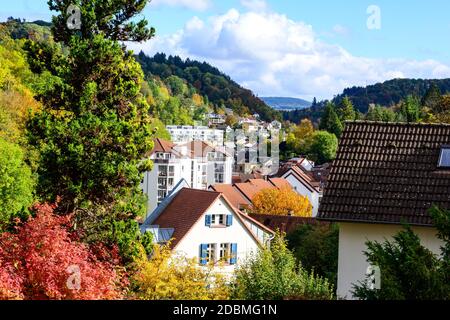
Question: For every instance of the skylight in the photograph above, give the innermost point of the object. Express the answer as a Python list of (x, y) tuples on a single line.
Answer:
[(444, 158)]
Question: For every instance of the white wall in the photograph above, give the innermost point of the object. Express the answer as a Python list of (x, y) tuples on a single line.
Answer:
[(236, 233), (352, 264), (301, 189)]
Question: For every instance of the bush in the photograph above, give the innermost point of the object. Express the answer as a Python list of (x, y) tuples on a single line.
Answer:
[(273, 274)]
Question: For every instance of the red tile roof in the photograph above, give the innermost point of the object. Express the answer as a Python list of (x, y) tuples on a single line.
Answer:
[(280, 183), (234, 197), (161, 145)]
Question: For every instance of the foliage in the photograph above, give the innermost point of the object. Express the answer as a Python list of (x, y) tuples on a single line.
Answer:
[(322, 147), (283, 201), (94, 126), (16, 183), (346, 111), (35, 261), (272, 274), (410, 271), (208, 81), (410, 109), (316, 247), (167, 276), (378, 113), (330, 121)]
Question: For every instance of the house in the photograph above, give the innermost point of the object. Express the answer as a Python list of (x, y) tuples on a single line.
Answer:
[(197, 162), (304, 183), (204, 225), (184, 134), (385, 174)]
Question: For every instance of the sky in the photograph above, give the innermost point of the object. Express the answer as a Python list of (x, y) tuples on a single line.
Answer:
[(295, 48)]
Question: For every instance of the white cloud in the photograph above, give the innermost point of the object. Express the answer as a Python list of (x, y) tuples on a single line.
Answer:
[(274, 55), (198, 5), (254, 5), (341, 30)]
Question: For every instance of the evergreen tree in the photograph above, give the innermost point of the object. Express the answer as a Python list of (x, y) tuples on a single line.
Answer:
[(346, 110), (330, 120), (410, 109), (432, 98), (93, 131)]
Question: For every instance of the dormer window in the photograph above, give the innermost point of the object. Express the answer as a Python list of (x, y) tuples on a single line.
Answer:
[(444, 157)]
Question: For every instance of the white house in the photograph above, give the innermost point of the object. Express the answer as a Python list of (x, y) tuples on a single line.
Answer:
[(385, 174), (197, 162), (304, 184), (184, 134), (204, 225)]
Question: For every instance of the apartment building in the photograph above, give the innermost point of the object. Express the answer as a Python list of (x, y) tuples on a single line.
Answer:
[(184, 134), (197, 162)]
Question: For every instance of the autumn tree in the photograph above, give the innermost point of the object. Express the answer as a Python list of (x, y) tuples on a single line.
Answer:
[(168, 276), (93, 131), (41, 260), (283, 201)]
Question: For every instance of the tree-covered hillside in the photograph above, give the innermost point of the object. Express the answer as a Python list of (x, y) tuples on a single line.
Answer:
[(387, 94), (220, 89)]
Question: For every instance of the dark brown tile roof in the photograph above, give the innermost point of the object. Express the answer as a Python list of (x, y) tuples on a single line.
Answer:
[(285, 224), (182, 213), (387, 173)]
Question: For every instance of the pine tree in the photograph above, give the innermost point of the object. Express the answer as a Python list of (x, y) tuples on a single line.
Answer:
[(93, 131), (432, 98), (346, 110), (330, 120)]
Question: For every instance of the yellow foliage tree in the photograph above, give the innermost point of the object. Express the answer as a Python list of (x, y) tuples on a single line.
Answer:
[(283, 201), (197, 99), (167, 276)]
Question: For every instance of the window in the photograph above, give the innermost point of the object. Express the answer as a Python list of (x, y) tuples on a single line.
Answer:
[(224, 253), (444, 157), (217, 219), (210, 253)]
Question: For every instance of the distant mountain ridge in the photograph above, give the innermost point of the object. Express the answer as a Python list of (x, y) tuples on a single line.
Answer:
[(286, 103)]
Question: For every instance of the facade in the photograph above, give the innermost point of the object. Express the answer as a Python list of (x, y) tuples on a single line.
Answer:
[(198, 163), (384, 175), (205, 226), (184, 134), (304, 184)]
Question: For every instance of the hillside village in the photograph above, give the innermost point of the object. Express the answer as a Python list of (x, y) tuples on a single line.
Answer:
[(162, 178)]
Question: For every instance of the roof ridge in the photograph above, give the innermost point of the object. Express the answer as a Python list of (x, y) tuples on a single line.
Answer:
[(424, 124)]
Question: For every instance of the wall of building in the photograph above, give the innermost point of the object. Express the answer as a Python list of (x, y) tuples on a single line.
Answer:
[(352, 265), (201, 234), (301, 189)]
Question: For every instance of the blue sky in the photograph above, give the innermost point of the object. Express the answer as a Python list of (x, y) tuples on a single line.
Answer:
[(295, 47)]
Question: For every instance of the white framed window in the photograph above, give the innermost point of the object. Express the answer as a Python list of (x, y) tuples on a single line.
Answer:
[(211, 253), (225, 252), (217, 219)]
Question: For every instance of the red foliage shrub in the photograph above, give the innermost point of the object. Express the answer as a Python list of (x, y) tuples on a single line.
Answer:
[(42, 261)]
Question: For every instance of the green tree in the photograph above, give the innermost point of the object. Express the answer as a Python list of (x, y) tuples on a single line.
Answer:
[(410, 271), (176, 85), (346, 111), (316, 247), (330, 120), (94, 128), (273, 274), (16, 183), (322, 146), (410, 109), (432, 98)]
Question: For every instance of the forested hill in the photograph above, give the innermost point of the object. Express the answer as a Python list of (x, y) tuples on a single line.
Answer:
[(220, 89), (386, 94), (391, 92)]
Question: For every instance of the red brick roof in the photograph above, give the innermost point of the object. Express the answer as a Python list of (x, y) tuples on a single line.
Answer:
[(387, 173)]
